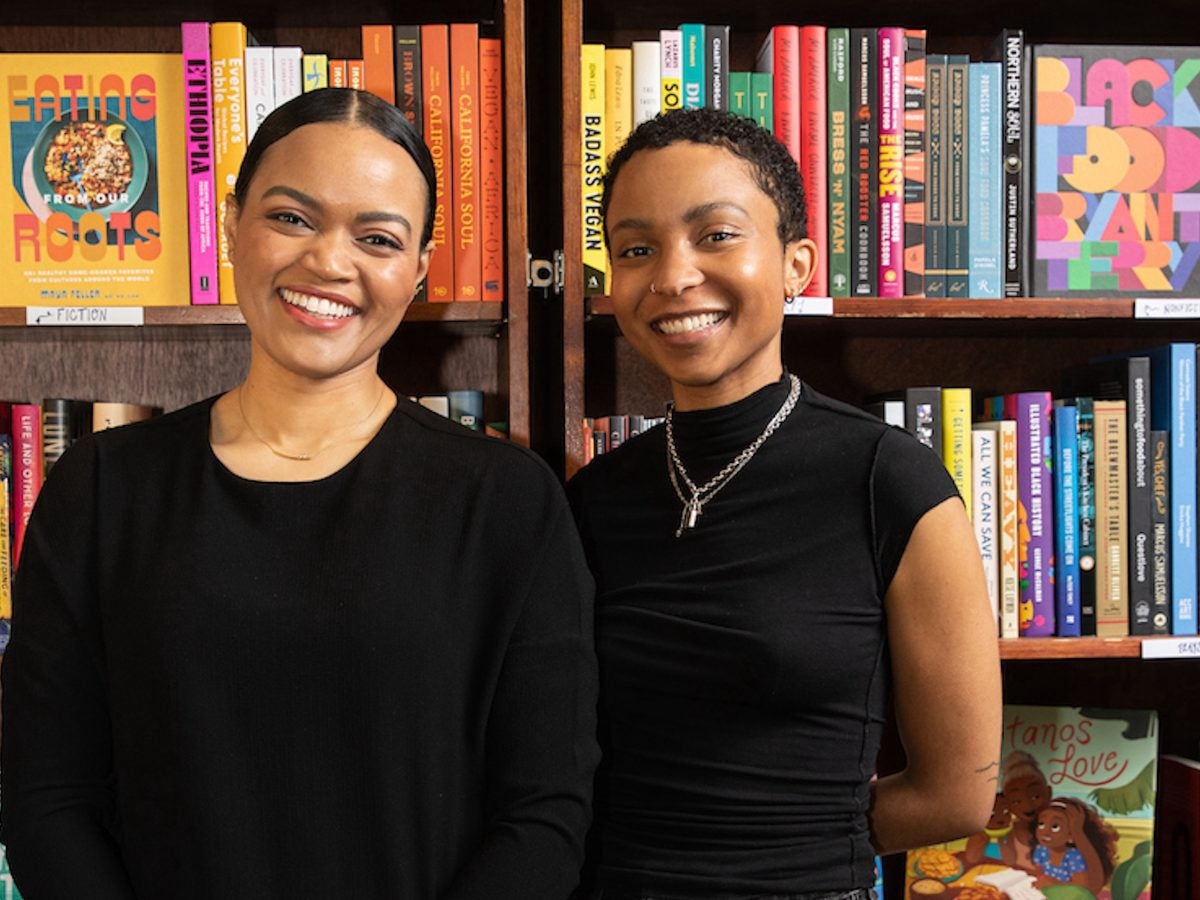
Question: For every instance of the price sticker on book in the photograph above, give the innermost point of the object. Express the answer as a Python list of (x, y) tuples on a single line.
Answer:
[(809, 306), (1179, 308), (1171, 648), (85, 315)]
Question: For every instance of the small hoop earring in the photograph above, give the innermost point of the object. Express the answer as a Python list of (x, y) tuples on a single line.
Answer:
[(790, 298)]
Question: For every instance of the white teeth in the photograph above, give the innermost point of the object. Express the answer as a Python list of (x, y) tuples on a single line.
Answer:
[(688, 323), (318, 306)]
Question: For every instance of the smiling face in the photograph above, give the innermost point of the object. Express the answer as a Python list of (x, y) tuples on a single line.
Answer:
[(690, 221), (1052, 830), (326, 248)]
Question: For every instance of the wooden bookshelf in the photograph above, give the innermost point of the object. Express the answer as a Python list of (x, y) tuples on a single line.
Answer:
[(439, 347)]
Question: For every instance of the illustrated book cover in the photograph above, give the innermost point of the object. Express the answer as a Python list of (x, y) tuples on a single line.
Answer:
[(1116, 171), (1073, 817), (93, 180)]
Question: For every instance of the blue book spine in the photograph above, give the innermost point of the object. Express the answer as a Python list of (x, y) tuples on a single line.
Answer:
[(694, 74), (1066, 522), (986, 176), (1173, 409)]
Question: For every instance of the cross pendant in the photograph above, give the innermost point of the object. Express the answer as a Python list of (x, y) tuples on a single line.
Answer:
[(687, 519)]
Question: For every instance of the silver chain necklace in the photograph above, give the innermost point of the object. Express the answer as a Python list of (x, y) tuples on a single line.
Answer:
[(693, 506)]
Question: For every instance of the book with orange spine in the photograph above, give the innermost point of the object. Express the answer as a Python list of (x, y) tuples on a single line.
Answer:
[(464, 156), (379, 67), (491, 166), (435, 108)]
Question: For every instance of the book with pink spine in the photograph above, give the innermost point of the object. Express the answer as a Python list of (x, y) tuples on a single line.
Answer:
[(202, 217), (891, 162)]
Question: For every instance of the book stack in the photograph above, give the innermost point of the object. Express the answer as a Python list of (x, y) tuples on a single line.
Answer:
[(1084, 504), (117, 196), (938, 175), (603, 434)]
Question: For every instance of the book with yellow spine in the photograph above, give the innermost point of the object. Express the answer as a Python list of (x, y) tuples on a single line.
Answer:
[(956, 439), (594, 152), (230, 132)]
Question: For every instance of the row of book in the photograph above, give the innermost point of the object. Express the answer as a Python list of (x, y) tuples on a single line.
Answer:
[(1046, 170), (603, 434), (1083, 505), (115, 167), (32, 438)]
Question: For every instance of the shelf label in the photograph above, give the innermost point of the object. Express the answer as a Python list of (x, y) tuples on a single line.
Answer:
[(1179, 308), (1171, 648), (809, 306), (85, 315)]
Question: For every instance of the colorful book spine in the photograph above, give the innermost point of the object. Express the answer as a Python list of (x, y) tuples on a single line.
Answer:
[(670, 45), (1066, 522), (762, 99), (202, 214), (780, 55), (716, 65), (985, 174), (694, 76), (289, 79), (260, 87), (935, 175), (466, 408), (464, 151), (814, 151), (436, 129), (956, 439), (595, 260), (957, 175), (1112, 535), (618, 96), (1160, 529), (491, 168), (407, 58), (1085, 505), (56, 431), (1035, 510), (1173, 409), (27, 470), (379, 61), (739, 94), (864, 105), (356, 76), (1009, 566), (890, 151), (985, 512), (840, 183), (337, 73), (915, 144), (6, 546), (228, 47), (647, 81), (315, 67), (1010, 51)]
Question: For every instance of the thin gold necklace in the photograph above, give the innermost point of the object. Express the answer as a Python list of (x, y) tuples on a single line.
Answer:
[(302, 457)]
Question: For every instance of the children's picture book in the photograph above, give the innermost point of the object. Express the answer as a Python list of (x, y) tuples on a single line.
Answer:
[(1116, 171), (93, 191), (1073, 817)]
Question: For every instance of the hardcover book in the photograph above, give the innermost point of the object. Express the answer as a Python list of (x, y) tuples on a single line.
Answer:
[(694, 76), (780, 56), (491, 167), (864, 107), (379, 61), (407, 58), (985, 176), (1112, 523), (840, 184), (202, 210), (985, 511), (935, 175), (436, 104), (914, 162), (1006, 493), (464, 153), (716, 65), (1066, 522), (228, 41), (1116, 171), (647, 81), (1160, 529), (956, 439), (670, 66), (595, 156), (94, 180), (814, 151), (890, 162), (1073, 817), (957, 182), (1011, 52)]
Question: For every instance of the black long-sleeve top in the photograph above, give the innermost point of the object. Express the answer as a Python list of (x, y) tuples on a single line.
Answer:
[(377, 684)]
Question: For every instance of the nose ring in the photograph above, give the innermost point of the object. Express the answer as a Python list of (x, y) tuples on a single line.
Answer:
[(652, 290)]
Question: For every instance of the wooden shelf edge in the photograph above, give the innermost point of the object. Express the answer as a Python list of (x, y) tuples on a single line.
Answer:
[(932, 308), (1071, 648), (458, 311)]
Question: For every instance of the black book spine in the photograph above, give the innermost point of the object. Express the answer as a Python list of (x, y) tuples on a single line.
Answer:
[(1011, 53)]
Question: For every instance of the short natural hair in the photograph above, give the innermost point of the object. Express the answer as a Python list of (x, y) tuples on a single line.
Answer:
[(351, 107), (773, 168)]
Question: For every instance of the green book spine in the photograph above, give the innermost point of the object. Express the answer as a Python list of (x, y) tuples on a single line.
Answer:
[(838, 87)]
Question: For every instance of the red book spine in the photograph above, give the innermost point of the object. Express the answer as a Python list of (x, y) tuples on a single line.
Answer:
[(435, 105), (915, 143), (780, 56), (27, 468), (891, 162), (491, 166), (464, 155), (814, 150)]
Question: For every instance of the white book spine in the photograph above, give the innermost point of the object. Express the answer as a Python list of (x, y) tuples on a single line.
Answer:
[(289, 81), (984, 511), (647, 81), (260, 87)]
